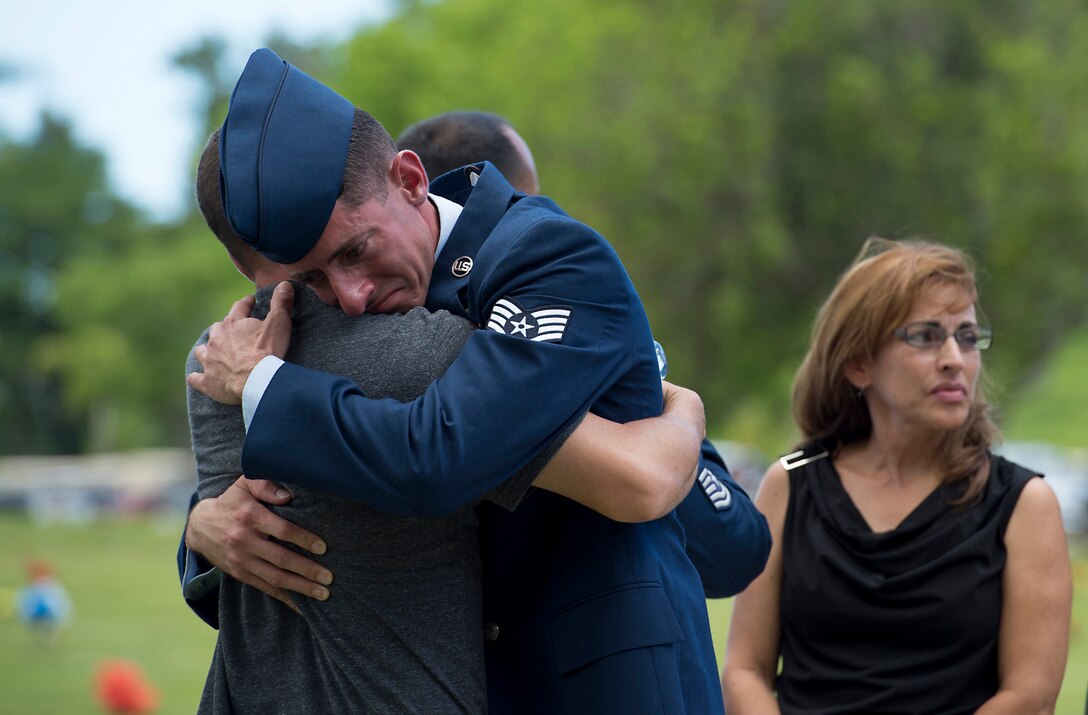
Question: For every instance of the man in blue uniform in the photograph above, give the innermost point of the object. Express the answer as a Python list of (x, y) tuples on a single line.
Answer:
[(726, 537), (586, 613)]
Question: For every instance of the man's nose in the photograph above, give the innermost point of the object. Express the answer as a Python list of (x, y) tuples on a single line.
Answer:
[(352, 296)]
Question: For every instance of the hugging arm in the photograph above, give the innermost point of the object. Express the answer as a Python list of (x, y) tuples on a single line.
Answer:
[(630, 472), (232, 509), (638, 471), (502, 401)]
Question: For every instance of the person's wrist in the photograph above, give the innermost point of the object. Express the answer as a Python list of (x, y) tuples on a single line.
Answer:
[(238, 385), (192, 539)]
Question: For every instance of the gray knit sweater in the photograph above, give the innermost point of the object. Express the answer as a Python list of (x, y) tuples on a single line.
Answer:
[(402, 630)]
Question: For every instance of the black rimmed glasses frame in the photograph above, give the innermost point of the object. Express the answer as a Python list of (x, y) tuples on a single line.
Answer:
[(927, 336)]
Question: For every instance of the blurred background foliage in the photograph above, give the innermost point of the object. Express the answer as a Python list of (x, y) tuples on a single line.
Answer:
[(735, 153)]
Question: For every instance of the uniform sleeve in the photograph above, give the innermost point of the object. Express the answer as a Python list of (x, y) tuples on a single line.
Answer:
[(504, 399), (728, 539)]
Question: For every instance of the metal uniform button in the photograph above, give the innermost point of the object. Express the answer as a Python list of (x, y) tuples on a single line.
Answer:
[(461, 267), (491, 632), (662, 361)]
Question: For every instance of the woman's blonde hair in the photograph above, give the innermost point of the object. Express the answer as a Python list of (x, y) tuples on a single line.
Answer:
[(872, 298)]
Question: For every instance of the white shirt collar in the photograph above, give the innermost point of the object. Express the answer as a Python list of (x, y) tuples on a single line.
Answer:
[(448, 213)]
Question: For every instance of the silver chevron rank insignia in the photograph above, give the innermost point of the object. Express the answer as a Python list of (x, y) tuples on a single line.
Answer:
[(547, 324), (719, 495)]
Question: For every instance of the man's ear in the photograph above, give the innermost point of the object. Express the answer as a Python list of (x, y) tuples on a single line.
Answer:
[(242, 268), (408, 175)]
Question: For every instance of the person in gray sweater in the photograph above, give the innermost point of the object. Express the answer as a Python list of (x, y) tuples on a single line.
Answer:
[(403, 633)]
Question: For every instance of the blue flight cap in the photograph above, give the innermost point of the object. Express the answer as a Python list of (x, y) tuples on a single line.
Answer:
[(282, 152)]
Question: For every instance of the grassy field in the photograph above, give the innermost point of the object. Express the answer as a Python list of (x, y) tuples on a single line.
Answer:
[(123, 582), (124, 586), (1054, 407)]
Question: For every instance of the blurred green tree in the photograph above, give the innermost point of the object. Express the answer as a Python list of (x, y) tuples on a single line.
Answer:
[(735, 153), (55, 207), (129, 321)]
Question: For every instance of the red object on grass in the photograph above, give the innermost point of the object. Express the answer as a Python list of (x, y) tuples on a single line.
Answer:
[(122, 688)]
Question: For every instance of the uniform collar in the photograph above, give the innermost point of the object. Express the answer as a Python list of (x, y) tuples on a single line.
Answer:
[(448, 213), (485, 197)]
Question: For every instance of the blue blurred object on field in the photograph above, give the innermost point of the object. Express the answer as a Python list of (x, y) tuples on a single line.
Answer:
[(43, 604)]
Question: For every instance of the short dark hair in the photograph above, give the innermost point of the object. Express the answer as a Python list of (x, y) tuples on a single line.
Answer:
[(447, 141), (209, 199), (370, 154)]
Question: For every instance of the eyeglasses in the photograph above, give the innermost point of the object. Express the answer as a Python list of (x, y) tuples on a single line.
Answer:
[(927, 336)]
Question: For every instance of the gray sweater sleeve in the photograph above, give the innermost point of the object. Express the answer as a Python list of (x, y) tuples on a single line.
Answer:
[(217, 433)]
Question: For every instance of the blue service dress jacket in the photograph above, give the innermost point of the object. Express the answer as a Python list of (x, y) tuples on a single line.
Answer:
[(728, 539), (583, 613)]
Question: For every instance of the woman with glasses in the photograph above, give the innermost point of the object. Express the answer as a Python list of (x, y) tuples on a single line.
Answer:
[(913, 571)]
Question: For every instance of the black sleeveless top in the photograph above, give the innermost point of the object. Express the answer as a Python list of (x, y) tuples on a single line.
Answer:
[(904, 621)]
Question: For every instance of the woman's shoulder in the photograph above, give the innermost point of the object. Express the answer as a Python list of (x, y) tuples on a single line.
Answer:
[(1021, 492), (1030, 491), (806, 454), (1007, 476), (798, 464)]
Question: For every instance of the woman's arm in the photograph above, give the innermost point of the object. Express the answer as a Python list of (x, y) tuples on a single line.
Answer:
[(751, 657), (1037, 595), (638, 471)]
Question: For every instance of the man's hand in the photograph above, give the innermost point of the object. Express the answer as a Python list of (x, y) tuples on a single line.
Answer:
[(238, 342), (232, 530), (684, 404)]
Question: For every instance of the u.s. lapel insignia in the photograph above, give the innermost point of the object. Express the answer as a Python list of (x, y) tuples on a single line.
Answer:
[(547, 324), (461, 267), (719, 495)]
